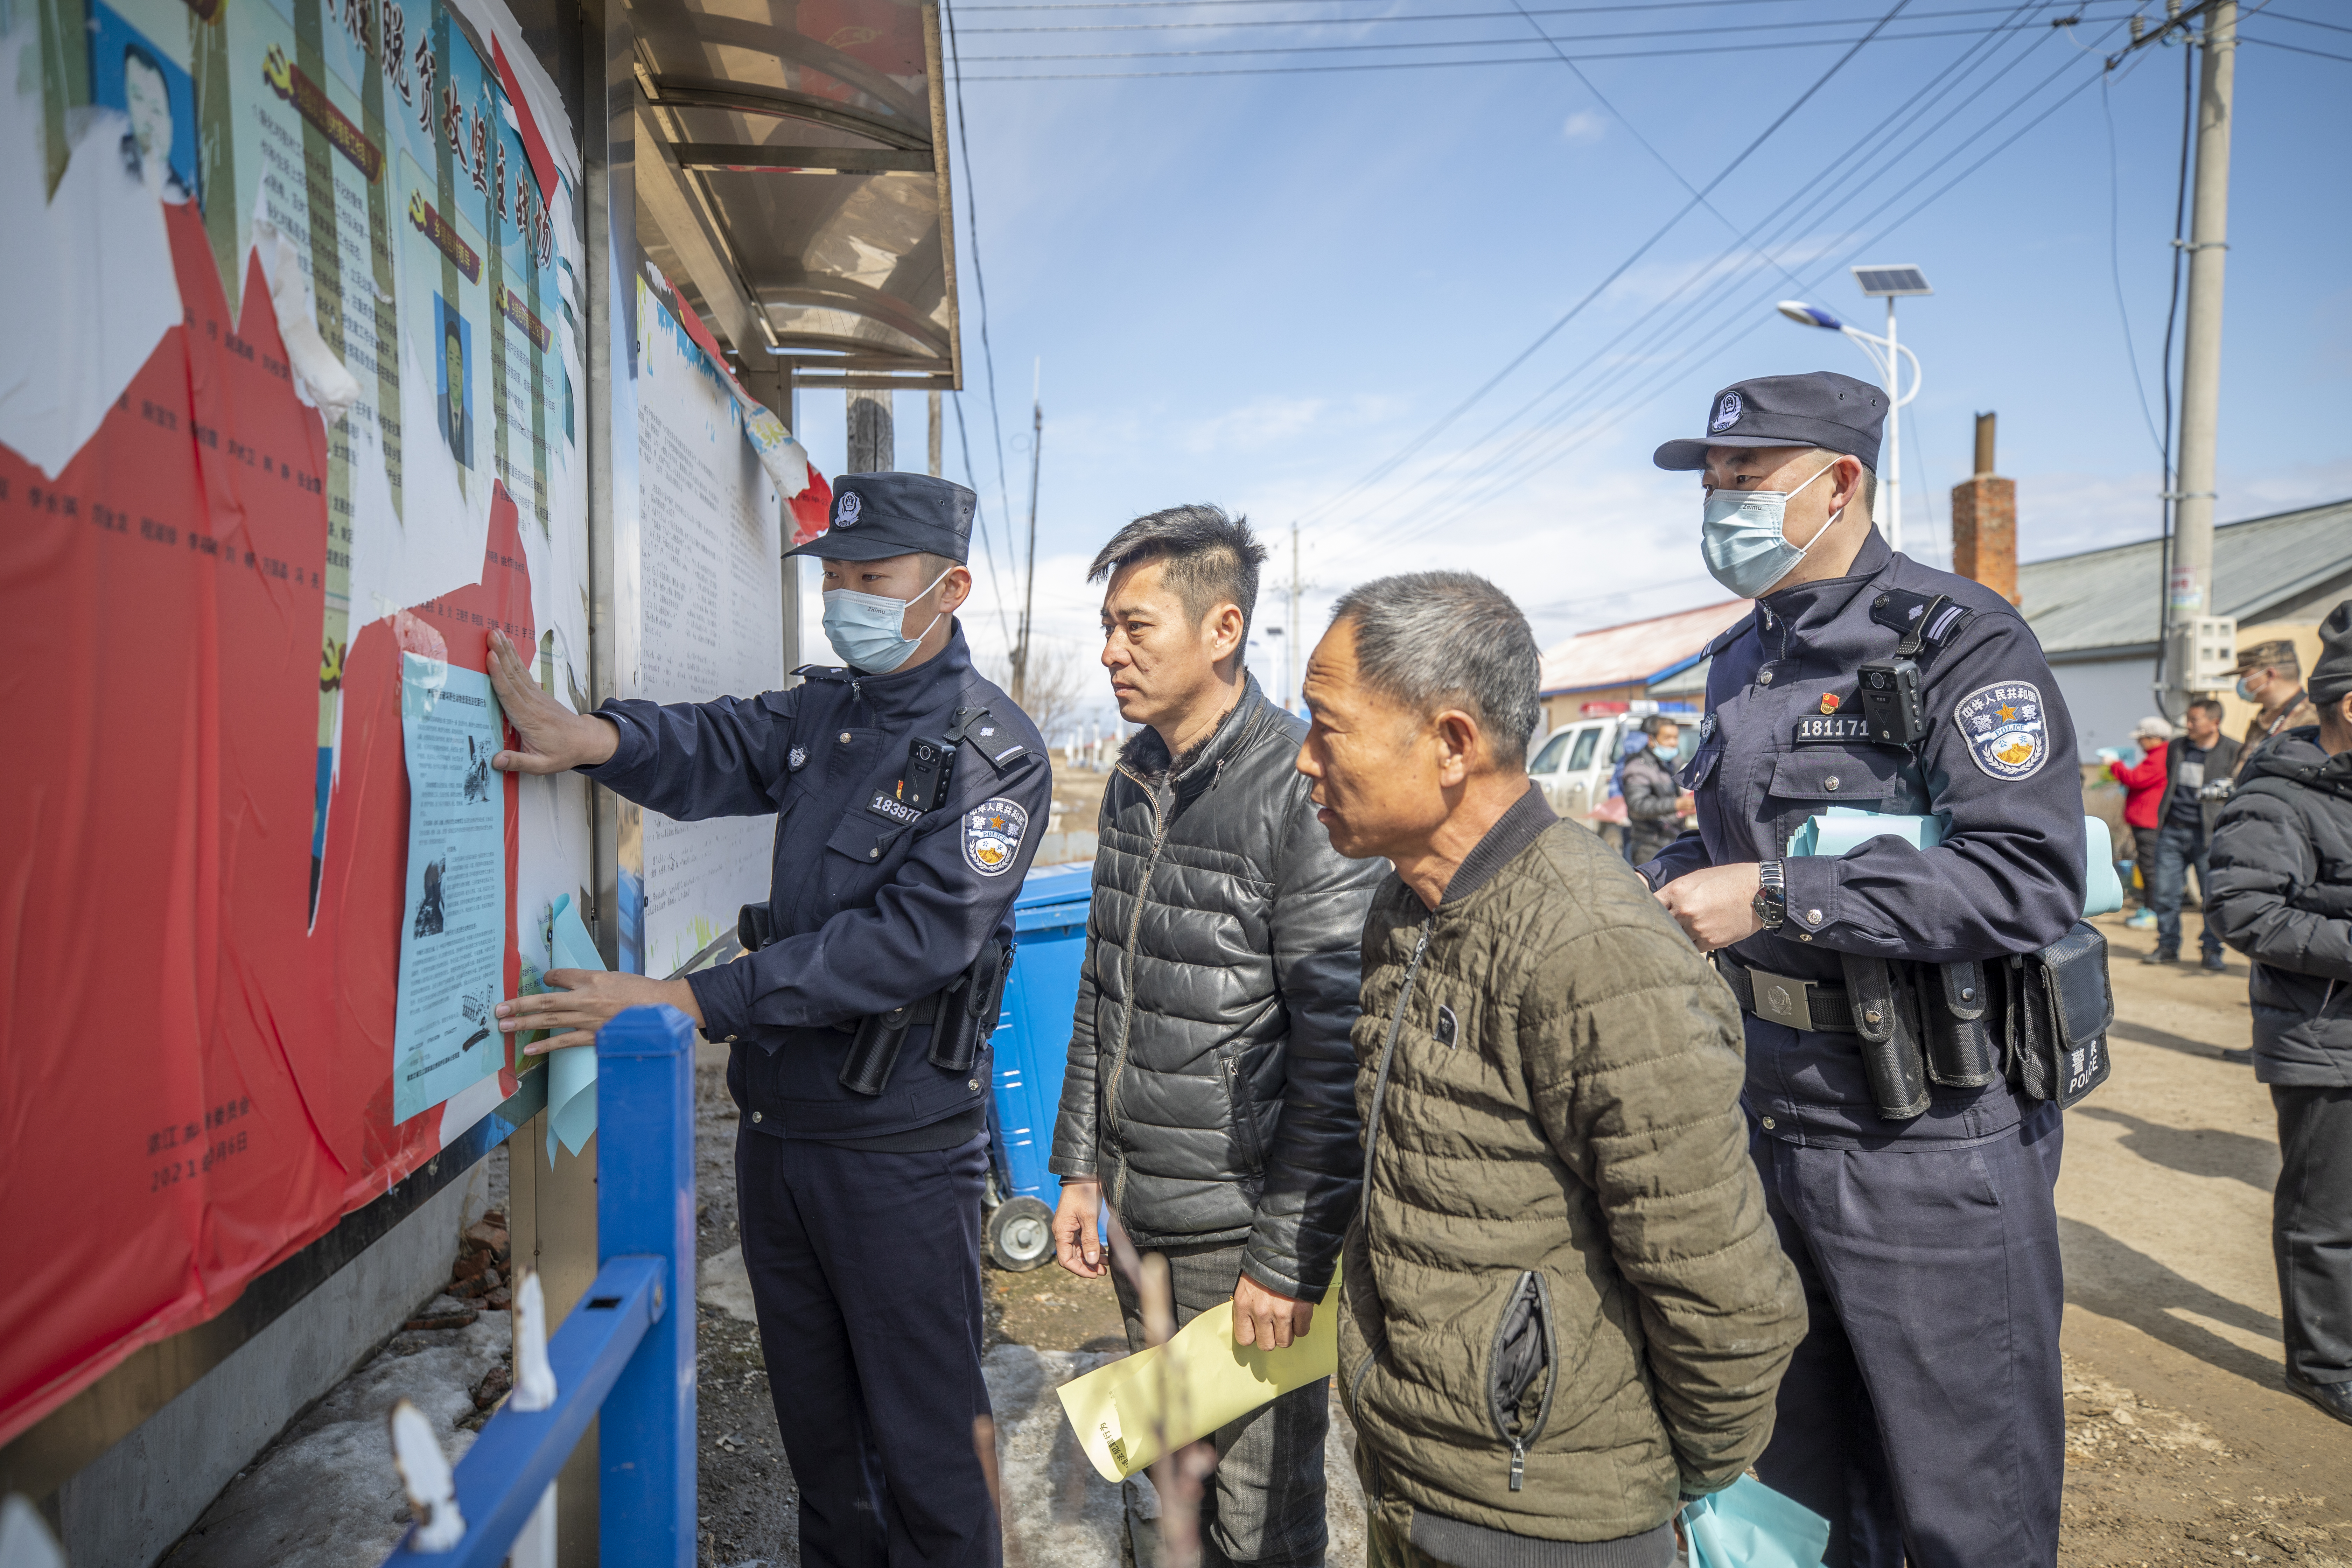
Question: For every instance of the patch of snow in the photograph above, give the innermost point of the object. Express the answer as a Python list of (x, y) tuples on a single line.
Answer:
[(724, 1285)]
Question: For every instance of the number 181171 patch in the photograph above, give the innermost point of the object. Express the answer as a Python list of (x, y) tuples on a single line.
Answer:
[(2006, 732)]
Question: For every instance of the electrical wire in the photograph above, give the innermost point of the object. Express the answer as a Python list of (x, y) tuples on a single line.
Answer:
[(2306, 21), (1791, 208), (2115, 266), (2166, 505), (1382, 470), (1469, 16), (980, 281), (2294, 49), (996, 586)]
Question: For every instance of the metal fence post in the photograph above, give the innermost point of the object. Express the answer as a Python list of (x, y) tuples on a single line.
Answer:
[(645, 1207)]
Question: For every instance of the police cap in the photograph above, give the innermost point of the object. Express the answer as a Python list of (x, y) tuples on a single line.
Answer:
[(876, 516), (1836, 413)]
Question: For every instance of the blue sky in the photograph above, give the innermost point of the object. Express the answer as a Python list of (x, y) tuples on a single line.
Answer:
[(1257, 290)]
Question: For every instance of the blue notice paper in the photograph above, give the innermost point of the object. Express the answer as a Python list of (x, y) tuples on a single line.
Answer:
[(1749, 1525), (1844, 829), (571, 1073), (453, 926)]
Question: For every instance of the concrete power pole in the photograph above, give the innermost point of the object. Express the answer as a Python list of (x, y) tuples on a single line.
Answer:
[(2190, 595), (935, 436), (872, 442)]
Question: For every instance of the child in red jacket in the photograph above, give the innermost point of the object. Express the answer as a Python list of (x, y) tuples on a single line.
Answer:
[(2143, 783)]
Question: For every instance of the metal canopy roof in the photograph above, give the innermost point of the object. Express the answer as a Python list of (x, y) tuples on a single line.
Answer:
[(793, 177)]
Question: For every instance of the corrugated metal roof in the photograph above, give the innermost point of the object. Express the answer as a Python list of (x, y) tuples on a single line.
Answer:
[(1637, 652), (2109, 598)]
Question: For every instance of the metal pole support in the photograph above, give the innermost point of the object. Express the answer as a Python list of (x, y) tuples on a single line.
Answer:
[(645, 1207)]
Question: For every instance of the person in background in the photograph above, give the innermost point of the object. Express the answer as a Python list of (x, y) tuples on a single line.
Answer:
[(2270, 676), (1564, 1308), (2283, 896), (2144, 784), (1208, 1094), (1654, 797), (2197, 768)]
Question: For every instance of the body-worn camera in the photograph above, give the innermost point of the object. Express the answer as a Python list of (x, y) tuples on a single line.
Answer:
[(924, 784), (1890, 701)]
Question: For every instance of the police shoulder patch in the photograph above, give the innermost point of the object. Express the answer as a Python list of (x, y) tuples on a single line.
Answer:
[(992, 832), (2005, 729)]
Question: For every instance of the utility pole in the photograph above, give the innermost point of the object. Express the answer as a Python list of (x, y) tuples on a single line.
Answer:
[(1029, 589), (2189, 595), (935, 436), (872, 442)]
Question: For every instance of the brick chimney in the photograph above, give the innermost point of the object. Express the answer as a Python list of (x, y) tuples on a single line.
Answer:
[(1984, 521)]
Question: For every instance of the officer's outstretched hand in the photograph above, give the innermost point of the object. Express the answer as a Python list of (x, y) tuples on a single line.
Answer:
[(1263, 1319), (555, 739), (1716, 905), (587, 999)]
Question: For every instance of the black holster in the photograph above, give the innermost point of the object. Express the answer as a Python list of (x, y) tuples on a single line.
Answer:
[(1965, 1049), (1886, 1017), (752, 927), (962, 1016)]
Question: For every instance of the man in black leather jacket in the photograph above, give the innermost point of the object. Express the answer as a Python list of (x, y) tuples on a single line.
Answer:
[(1211, 1093)]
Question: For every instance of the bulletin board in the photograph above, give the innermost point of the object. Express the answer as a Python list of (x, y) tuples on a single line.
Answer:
[(290, 419)]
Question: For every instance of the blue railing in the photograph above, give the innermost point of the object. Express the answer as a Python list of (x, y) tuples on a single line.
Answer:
[(627, 1347)]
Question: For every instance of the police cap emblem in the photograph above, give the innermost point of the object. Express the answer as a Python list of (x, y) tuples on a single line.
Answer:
[(992, 831), (1727, 413), (2005, 728), (845, 508)]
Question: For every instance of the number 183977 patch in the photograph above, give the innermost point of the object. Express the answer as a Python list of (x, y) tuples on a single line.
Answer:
[(2005, 728), (991, 835)]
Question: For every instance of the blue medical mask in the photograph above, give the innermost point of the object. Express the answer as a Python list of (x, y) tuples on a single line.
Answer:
[(1744, 538), (2246, 693), (1664, 754), (864, 627)]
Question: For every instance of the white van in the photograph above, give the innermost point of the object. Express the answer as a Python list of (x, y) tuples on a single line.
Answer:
[(1575, 762)]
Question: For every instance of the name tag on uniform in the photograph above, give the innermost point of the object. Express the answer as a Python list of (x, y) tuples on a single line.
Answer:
[(890, 810), (1831, 729)]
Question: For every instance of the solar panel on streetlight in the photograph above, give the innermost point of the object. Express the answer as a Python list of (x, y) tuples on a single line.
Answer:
[(1880, 282)]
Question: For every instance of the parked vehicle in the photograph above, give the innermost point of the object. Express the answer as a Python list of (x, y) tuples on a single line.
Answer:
[(1576, 762)]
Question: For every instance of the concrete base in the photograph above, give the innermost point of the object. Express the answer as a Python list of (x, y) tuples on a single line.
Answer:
[(126, 1508)]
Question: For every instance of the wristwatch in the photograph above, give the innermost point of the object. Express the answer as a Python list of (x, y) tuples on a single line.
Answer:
[(1771, 902)]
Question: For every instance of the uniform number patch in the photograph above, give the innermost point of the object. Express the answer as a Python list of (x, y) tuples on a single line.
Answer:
[(2005, 728), (991, 835)]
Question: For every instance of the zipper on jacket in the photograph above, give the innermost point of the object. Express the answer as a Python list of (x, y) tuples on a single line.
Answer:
[(1388, 1054), (1127, 1014), (1550, 1371)]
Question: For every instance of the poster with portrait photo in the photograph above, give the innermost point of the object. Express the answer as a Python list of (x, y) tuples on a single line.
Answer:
[(453, 359), (130, 73)]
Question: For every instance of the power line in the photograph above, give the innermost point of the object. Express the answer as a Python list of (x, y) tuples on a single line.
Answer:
[(1917, 107), (996, 586), (1296, 22), (2115, 268), (1745, 47), (1382, 470), (2294, 49), (980, 281)]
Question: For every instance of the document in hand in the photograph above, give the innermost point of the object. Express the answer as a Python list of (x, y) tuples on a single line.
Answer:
[(1844, 827), (1130, 1413), (1749, 1525)]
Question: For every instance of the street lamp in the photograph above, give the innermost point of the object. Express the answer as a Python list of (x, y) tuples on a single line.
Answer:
[(1887, 283)]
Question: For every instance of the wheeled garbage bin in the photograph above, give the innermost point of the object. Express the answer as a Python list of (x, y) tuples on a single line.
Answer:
[(1031, 1047)]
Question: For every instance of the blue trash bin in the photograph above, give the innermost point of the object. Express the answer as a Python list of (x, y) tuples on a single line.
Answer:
[(1031, 1047)]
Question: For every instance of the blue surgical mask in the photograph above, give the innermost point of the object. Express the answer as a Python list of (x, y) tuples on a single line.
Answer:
[(1664, 754), (2246, 693), (1744, 538), (864, 628)]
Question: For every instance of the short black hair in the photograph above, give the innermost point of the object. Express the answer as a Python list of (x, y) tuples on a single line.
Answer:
[(1212, 559), (2211, 704), (1658, 721)]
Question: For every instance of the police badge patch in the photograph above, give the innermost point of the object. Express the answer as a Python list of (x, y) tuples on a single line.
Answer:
[(2005, 728), (1727, 414), (798, 760), (991, 835), (845, 510)]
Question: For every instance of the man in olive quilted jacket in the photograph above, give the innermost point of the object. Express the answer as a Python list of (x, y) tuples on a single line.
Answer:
[(1564, 1310), (1208, 1099)]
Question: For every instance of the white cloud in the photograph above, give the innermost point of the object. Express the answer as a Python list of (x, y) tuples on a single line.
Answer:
[(1584, 127)]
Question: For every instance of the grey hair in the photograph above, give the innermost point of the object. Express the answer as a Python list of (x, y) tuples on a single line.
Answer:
[(1212, 559), (1439, 639)]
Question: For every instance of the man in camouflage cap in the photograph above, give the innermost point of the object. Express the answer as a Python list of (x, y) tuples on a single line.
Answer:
[(2270, 676)]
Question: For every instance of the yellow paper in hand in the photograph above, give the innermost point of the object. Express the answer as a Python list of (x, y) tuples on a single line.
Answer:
[(1129, 1414)]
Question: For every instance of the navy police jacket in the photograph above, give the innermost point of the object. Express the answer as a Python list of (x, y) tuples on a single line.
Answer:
[(1997, 760), (871, 907)]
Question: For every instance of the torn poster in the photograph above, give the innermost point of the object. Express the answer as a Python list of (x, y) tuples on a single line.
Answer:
[(453, 927)]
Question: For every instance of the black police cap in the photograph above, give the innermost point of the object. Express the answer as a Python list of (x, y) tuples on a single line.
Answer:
[(876, 516), (1834, 412)]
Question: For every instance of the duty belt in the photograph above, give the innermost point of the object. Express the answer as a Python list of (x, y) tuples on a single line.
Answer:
[(1783, 999)]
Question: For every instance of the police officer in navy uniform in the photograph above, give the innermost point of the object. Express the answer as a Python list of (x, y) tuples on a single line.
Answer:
[(1922, 1414), (908, 793)]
